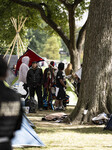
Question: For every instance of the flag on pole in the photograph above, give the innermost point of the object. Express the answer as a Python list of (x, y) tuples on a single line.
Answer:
[(33, 57)]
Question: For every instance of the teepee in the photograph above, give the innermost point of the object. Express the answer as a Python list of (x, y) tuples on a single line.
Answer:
[(18, 25)]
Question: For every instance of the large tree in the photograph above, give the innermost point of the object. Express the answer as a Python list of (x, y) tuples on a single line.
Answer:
[(59, 15), (96, 85)]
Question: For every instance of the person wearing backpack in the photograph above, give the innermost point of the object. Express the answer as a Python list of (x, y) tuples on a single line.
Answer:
[(35, 82)]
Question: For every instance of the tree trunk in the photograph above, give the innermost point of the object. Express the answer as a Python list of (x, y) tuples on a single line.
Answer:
[(96, 85), (75, 59), (74, 54)]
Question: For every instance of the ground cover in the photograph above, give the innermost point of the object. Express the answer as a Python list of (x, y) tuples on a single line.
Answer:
[(58, 136)]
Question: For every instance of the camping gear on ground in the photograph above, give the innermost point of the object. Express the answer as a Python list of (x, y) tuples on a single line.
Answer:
[(109, 124), (48, 104), (26, 136), (33, 105), (19, 88), (26, 109), (100, 119), (54, 117), (30, 123)]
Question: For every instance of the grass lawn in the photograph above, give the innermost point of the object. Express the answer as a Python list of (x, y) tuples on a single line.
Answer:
[(69, 137)]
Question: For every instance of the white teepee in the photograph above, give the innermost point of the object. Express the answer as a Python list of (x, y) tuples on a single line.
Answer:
[(18, 25)]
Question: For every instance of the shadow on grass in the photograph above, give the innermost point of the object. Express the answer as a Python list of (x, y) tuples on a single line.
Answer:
[(89, 130), (45, 130)]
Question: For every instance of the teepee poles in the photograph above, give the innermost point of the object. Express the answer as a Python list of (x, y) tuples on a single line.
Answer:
[(18, 25)]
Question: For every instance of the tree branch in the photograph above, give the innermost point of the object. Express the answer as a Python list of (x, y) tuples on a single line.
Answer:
[(64, 2), (81, 37), (48, 11), (45, 17), (76, 2)]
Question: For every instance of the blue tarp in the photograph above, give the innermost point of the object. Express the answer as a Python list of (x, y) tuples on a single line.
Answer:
[(109, 124), (26, 136)]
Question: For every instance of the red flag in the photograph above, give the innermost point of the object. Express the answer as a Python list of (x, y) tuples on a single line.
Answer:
[(33, 57)]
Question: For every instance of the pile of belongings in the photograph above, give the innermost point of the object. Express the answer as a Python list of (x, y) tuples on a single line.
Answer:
[(57, 117), (100, 119)]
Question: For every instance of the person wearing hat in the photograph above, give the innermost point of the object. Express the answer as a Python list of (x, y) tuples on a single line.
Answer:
[(10, 110), (35, 82)]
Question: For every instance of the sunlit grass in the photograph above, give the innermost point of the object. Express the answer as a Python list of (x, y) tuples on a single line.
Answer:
[(69, 137)]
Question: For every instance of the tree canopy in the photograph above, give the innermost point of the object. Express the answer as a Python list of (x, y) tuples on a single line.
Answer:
[(51, 48), (59, 16), (53, 9)]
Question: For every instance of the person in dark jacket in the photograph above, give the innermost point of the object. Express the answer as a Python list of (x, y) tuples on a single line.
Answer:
[(60, 87), (35, 82), (10, 110)]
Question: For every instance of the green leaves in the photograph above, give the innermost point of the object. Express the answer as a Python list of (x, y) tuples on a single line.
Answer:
[(58, 13), (82, 7), (51, 48)]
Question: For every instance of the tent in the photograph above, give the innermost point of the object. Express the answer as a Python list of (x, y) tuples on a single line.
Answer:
[(33, 57), (26, 136), (17, 41), (109, 124)]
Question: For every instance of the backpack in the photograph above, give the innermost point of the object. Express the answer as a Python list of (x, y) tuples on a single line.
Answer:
[(32, 103)]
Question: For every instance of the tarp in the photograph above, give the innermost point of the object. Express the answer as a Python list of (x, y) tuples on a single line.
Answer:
[(109, 124), (11, 77), (33, 57), (30, 123), (26, 136)]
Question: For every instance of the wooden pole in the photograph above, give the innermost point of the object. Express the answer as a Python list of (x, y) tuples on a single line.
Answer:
[(12, 49), (21, 42), (17, 45), (18, 24), (22, 24), (9, 47)]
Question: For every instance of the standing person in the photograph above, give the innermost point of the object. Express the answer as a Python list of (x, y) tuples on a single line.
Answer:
[(35, 82), (10, 110), (60, 87), (68, 70), (23, 72), (48, 82)]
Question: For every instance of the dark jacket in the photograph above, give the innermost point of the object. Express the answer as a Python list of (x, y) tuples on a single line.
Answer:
[(10, 111), (35, 77)]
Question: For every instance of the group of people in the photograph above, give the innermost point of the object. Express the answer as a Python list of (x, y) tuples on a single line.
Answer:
[(52, 81), (34, 78)]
